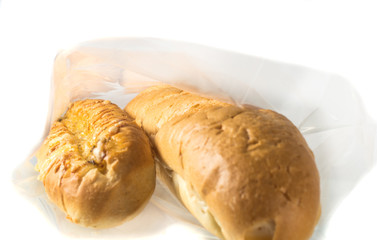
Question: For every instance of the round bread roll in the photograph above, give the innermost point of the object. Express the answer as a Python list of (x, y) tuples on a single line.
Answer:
[(96, 165), (245, 173)]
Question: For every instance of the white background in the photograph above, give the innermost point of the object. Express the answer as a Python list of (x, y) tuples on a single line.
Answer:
[(334, 36)]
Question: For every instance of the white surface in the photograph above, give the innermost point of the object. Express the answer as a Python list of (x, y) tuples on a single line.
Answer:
[(335, 36)]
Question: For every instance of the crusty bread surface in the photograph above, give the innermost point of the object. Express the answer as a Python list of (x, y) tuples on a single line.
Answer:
[(244, 173), (96, 164)]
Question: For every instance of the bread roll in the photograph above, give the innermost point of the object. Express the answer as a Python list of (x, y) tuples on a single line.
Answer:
[(244, 173), (96, 165)]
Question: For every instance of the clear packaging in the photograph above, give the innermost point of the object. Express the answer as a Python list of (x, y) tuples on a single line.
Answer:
[(325, 108)]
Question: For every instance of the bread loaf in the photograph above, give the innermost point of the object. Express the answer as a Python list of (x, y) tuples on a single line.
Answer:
[(244, 173), (96, 165)]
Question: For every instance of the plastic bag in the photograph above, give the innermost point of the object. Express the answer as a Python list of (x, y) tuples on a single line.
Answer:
[(323, 106)]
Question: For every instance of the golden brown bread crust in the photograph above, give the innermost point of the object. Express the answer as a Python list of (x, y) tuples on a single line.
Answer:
[(96, 165), (251, 166), (158, 104)]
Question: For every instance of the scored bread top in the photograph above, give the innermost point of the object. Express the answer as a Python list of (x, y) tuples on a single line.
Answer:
[(251, 166), (96, 164)]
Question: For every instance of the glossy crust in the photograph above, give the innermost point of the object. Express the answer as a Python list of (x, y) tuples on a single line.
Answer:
[(249, 170), (96, 165)]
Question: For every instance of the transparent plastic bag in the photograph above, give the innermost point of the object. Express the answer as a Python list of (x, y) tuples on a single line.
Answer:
[(325, 108)]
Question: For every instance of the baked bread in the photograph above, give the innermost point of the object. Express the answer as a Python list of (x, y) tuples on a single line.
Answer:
[(245, 173), (96, 165)]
